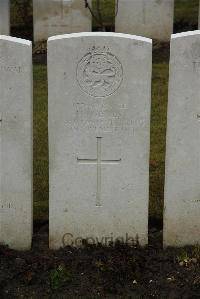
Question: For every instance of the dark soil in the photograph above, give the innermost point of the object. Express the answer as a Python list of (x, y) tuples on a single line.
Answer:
[(94, 271)]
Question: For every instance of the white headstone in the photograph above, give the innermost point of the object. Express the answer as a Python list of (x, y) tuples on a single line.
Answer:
[(182, 186), (5, 17), (52, 17), (15, 142), (99, 120), (150, 18)]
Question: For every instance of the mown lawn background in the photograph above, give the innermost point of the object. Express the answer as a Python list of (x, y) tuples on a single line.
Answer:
[(186, 16)]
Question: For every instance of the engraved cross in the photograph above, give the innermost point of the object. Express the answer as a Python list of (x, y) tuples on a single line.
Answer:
[(98, 161)]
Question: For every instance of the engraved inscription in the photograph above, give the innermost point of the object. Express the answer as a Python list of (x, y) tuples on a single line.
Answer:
[(102, 118), (106, 126), (196, 65), (8, 205), (99, 73), (10, 68), (196, 200), (98, 161)]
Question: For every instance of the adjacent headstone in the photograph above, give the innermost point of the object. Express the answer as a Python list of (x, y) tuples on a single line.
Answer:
[(15, 142), (99, 123), (150, 18), (182, 185), (52, 17), (5, 17)]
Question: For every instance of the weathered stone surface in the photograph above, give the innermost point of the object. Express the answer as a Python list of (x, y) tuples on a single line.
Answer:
[(99, 123), (5, 17), (150, 18), (52, 17), (15, 142), (182, 185)]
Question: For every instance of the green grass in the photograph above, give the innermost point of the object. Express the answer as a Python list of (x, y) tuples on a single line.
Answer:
[(40, 137), (158, 132), (186, 13), (107, 11)]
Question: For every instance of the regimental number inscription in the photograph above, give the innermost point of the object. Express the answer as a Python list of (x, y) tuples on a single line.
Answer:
[(99, 73)]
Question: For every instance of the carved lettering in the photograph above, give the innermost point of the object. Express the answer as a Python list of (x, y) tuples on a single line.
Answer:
[(10, 68)]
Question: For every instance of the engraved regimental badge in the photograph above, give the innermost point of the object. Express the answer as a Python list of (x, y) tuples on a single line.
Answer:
[(99, 73)]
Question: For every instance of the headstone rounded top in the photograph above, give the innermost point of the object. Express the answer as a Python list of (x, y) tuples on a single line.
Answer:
[(16, 40), (185, 34), (100, 34)]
